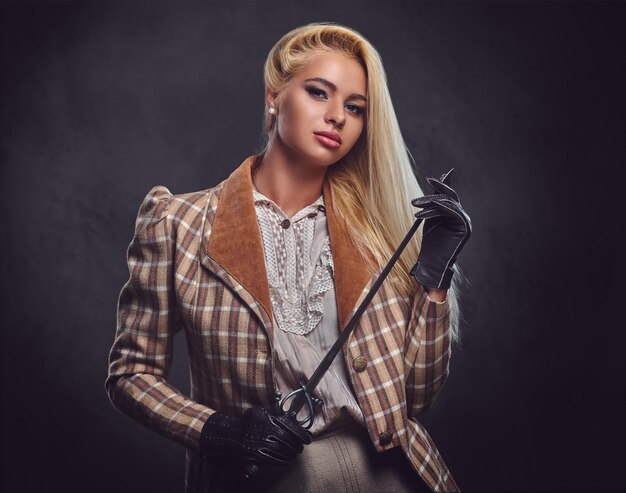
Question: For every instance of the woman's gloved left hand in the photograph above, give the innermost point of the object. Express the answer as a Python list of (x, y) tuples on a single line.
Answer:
[(446, 230)]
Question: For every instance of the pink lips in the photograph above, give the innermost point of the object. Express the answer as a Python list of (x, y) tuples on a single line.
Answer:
[(330, 139)]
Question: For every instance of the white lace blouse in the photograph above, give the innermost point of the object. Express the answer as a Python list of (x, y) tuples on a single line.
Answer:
[(299, 266)]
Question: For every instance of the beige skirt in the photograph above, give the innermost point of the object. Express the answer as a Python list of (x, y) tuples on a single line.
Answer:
[(345, 461)]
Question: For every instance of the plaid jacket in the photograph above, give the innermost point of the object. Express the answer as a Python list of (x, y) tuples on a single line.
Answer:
[(196, 264)]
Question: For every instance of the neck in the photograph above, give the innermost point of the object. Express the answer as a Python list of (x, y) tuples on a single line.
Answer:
[(291, 184)]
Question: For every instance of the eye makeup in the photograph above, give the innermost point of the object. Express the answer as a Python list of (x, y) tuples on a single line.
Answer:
[(318, 93)]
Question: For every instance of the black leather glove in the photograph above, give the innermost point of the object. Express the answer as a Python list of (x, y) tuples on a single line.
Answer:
[(257, 436), (446, 229)]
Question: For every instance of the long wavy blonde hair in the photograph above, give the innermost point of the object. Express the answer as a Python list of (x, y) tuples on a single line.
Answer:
[(378, 216)]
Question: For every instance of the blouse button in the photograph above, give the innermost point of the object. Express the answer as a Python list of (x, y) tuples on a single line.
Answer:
[(286, 223), (312, 214)]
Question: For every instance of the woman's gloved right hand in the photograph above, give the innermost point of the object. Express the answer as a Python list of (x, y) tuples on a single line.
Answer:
[(257, 436)]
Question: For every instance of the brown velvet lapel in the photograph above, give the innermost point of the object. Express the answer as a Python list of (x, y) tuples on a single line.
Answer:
[(352, 273), (235, 244)]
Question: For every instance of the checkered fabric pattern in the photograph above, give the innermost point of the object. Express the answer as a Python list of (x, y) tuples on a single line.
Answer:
[(181, 280)]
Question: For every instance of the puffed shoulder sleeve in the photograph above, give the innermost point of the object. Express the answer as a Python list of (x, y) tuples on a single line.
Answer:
[(147, 320), (427, 350)]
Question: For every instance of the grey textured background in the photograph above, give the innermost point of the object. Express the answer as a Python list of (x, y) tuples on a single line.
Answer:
[(100, 101)]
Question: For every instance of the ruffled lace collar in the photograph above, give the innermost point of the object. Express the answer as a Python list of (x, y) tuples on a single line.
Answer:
[(298, 261)]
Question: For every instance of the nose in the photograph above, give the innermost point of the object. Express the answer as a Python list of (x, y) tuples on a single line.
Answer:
[(335, 115)]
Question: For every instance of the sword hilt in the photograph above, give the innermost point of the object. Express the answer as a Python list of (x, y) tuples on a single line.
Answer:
[(293, 403)]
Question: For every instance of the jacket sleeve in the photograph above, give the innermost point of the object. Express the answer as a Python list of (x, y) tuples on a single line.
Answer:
[(427, 350), (147, 320)]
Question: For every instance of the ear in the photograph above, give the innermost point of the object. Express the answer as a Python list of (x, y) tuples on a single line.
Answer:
[(270, 98)]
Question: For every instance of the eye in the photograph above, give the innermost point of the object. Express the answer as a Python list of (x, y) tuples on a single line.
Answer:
[(321, 94), (315, 92), (355, 109)]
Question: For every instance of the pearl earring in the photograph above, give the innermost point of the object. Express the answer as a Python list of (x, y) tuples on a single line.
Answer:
[(272, 110)]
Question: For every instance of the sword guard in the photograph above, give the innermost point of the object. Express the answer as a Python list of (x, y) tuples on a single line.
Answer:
[(292, 404)]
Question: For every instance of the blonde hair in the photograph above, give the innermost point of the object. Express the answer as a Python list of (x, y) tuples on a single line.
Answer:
[(379, 216)]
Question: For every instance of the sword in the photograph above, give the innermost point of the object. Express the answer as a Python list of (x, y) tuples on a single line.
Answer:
[(293, 403)]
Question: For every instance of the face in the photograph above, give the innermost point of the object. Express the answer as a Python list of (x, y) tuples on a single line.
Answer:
[(327, 96)]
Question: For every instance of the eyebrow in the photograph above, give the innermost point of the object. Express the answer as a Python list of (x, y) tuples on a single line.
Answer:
[(328, 83)]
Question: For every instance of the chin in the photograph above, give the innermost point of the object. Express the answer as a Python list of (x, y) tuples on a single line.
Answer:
[(327, 163), (327, 158)]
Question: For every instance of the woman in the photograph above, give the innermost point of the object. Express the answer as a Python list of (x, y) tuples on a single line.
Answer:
[(262, 272)]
